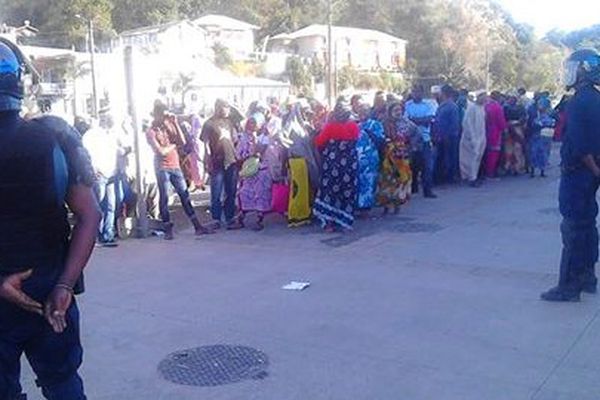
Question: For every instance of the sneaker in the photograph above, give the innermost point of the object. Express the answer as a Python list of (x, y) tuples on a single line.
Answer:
[(430, 195), (559, 295)]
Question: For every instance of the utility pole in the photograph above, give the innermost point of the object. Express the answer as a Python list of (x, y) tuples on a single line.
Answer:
[(92, 51), (141, 221), (487, 63), (93, 61), (330, 66)]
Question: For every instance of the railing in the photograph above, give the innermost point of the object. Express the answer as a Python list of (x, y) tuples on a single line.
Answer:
[(55, 89)]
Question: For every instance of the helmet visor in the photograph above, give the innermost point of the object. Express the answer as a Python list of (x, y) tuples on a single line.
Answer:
[(570, 69)]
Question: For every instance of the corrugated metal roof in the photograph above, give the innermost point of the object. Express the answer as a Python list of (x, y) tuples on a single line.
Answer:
[(224, 22), (157, 28)]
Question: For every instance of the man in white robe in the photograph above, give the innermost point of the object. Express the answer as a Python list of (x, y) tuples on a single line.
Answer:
[(473, 141)]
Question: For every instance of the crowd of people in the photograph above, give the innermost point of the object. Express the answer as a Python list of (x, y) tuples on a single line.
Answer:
[(306, 162)]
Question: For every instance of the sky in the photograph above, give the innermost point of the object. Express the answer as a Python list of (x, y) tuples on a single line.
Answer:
[(545, 15)]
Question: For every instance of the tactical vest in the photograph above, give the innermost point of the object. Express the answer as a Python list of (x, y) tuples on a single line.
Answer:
[(34, 229)]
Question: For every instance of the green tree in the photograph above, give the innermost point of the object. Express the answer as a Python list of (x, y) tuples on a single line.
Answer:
[(57, 22), (132, 14), (347, 78), (299, 75), (541, 69), (317, 70), (223, 58)]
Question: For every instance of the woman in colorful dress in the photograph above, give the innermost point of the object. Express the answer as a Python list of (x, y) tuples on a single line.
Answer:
[(303, 164), (540, 139), (336, 199), (395, 180), (514, 161), (371, 139), (254, 193)]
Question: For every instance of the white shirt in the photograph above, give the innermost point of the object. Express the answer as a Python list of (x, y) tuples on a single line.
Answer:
[(103, 147)]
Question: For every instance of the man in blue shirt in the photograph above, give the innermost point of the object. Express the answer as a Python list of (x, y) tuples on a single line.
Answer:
[(580, 180), (422, 162), (447, 127)]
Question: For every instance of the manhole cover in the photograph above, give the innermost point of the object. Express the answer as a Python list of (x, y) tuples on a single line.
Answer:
[(214, 365), (417, 228)]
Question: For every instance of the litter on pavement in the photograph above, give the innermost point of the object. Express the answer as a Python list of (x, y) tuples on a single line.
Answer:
[(293, 285)]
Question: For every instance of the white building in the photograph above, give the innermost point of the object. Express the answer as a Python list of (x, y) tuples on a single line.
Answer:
[(237, 36), (363, 49), (180, 36)]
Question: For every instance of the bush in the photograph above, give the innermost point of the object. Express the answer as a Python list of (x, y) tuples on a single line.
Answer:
[(299, 76), (223, 58)]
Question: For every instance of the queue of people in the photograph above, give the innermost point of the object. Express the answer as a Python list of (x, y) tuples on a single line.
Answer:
[(307, 163)]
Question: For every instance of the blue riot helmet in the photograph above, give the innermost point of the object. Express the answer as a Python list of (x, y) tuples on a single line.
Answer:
[(12, 67), (582, 68)]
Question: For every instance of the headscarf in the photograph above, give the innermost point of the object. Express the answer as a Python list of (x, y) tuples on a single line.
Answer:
[(342, 111), (260, 119), (361, 107), (544, 103), (221, 103), (257, 106), (390, 122), (320, 114), (297, 139)]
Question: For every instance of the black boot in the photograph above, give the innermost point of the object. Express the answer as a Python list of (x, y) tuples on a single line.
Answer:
[(557, 294), (590, 284), (430, 195), (590, 288), (199, 228), (169, 231)]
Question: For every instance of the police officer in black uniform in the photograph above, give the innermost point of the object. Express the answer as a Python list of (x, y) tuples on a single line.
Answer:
[(580, 180), (43, 169)]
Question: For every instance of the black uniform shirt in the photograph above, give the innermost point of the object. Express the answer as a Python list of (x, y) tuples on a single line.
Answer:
[(582, 135)]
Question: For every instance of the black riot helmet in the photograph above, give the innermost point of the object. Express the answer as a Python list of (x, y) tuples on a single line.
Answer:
[(582, 68), (13, 65)]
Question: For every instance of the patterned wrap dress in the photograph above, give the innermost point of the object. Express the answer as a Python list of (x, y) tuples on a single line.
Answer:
[(255, 192), (395, 180), (336, 198), (371, 138)]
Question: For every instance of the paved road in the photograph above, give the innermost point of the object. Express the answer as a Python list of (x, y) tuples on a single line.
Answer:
[(440, 302)]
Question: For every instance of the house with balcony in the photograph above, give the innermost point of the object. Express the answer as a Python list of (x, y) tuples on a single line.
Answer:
[(235, 35), (363, 49), (181, 37)]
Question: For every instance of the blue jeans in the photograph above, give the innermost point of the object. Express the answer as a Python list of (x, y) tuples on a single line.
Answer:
[(175, 177), (223, 181), (579, 209), (55, 358), (423, 165), (106, 194)]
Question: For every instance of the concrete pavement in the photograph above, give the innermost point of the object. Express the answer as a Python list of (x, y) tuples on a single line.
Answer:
[(440, 302)]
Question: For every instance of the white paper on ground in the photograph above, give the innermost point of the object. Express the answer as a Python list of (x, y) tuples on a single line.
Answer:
[(293, 285)]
